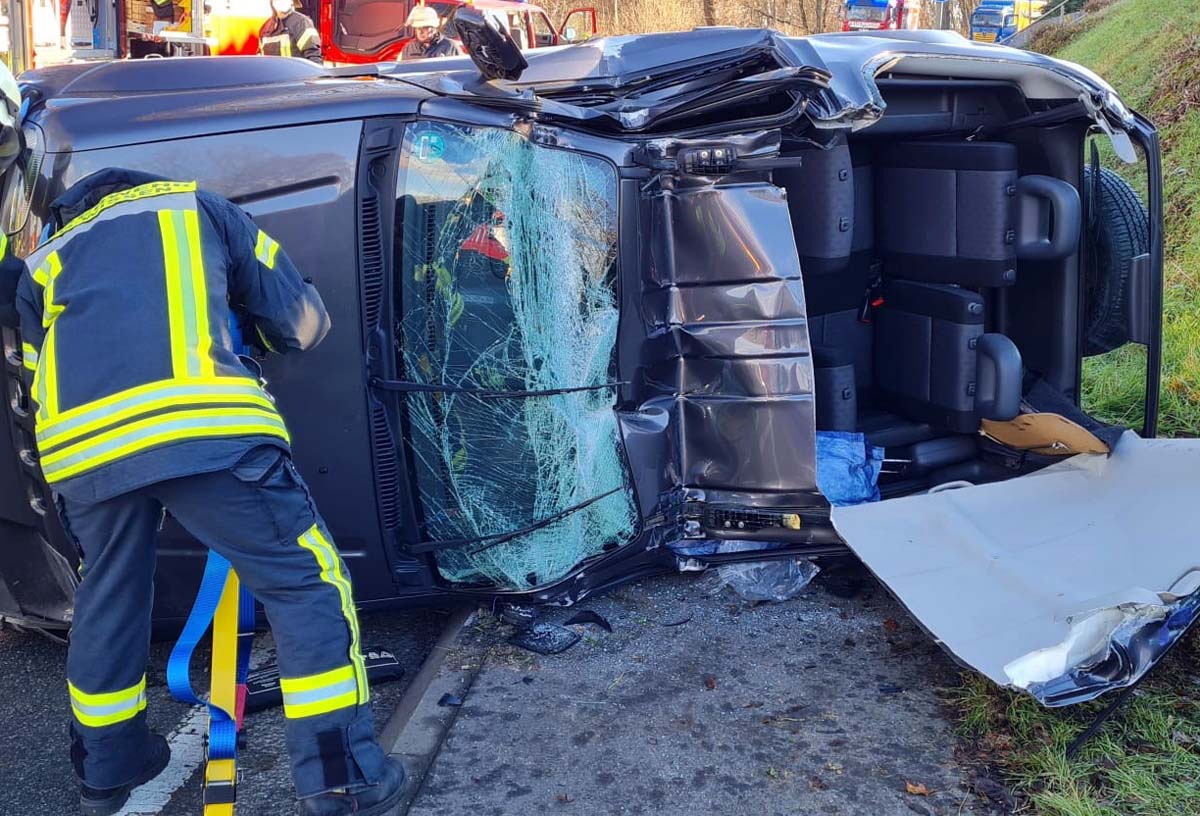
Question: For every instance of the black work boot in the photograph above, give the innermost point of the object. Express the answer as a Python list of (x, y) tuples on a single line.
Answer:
[(377, 800), (107, 801)]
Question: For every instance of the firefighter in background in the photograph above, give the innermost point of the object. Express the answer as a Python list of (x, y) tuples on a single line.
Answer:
[(288, 33), (428, 40), (143, 407)]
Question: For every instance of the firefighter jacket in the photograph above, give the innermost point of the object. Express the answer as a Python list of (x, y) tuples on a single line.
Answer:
[(125, 328), (439, 46), (293, 36)]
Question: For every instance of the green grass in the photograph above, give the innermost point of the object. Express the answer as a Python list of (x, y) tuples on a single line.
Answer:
[(1145, 762), (1150, 51)]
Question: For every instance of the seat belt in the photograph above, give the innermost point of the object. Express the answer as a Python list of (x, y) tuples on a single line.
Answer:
[(229, 607)]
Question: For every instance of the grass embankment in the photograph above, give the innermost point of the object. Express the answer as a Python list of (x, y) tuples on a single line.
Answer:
[(1146, 762), (1150, 51)]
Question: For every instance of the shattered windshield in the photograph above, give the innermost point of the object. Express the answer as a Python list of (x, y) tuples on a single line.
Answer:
[(507, 270)]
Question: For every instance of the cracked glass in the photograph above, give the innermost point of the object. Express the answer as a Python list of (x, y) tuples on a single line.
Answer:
[(508, 322)]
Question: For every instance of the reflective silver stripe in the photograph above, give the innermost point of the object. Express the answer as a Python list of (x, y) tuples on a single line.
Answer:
[(159, 430), (295, 698), (55, 432), (154, 203), (97, 710), (132, 705)]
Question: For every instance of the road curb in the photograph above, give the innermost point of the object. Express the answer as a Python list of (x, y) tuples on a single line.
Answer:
[(417, 728)]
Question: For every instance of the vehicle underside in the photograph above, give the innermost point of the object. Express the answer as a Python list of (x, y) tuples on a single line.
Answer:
[(714, 299)]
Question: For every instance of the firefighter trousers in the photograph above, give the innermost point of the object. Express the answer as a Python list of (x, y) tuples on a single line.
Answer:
[(260, 516)]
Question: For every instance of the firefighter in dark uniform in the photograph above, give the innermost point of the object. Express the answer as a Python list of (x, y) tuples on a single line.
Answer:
[(288, 33), (143, 407), (428, 40)]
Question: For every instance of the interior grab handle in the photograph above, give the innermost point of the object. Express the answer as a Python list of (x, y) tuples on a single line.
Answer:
[(1049, 216)]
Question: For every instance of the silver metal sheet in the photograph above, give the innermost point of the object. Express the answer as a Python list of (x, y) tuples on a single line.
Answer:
[(1038, 581)]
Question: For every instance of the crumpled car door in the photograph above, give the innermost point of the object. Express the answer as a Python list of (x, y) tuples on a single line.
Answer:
[(1066, 583)]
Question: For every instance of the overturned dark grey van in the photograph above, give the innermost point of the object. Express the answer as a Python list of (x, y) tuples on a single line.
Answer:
[(599, 321)]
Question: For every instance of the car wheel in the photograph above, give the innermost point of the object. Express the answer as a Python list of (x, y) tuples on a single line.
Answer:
[(1121, 233)]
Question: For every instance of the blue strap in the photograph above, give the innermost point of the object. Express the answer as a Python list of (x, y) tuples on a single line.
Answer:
[(222, 732), (222, 727)]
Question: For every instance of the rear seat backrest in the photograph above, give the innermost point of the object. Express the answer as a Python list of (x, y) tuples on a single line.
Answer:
[(821, 204), (946, 212), (831, 203), (928, 343)]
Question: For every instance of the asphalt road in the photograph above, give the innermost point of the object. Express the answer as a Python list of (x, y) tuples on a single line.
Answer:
[(37, 776)]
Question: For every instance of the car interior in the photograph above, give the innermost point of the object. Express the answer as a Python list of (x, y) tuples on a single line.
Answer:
[(913, 237)]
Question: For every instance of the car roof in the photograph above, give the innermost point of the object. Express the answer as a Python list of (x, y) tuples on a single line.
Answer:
[(124, 102)]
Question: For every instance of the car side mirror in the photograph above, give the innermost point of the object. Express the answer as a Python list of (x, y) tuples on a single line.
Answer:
[(492, 49), (570, 34)]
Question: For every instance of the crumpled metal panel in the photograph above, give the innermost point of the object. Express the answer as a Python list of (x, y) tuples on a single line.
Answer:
[(599, 83), (1065, 583), (724, 381)]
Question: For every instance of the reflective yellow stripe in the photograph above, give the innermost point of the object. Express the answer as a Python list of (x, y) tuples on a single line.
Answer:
[(108, 708), (308, 35), (319, 693), (44, 276), (187, 293), (265, 250), (170, 243), (156, 188), (191, 220), (262, 337), (46, 385), (331, 573), (45, 378), (29, 356), (3, 244), (48, 441), (315, 682), (151, 422), (182, 388), (160, 430), (296, 711)]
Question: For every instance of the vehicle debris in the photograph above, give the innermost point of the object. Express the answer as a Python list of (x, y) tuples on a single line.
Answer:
[(762, 581), (545, 638), (586, 616)]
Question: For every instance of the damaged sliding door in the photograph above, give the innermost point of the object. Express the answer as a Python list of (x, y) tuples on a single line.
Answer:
[(506, 273)]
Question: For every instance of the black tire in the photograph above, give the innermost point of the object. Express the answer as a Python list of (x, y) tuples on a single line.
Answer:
[(1122, 232)]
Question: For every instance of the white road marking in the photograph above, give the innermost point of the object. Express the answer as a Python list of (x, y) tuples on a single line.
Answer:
[(187, 750), (187, 754)]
